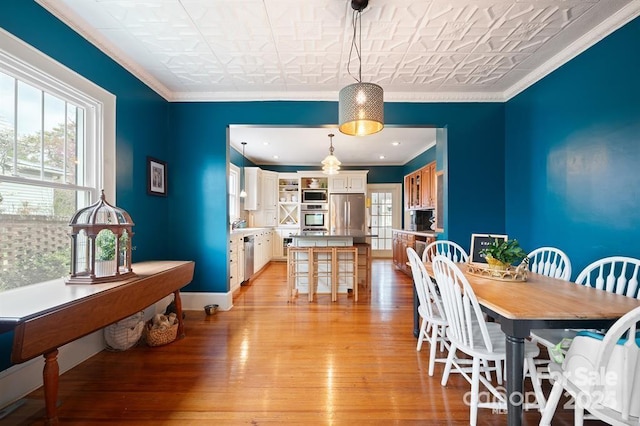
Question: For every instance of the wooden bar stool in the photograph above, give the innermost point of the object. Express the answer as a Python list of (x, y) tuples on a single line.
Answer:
[(364, 262), (294, 261), (317, 270), (353, 251)]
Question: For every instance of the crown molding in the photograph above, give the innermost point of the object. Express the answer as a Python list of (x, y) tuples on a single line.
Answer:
[(333, 96), (605, 28), (59, 10), (611, 24)]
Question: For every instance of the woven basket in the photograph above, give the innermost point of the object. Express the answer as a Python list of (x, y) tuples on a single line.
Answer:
[(158, 337)]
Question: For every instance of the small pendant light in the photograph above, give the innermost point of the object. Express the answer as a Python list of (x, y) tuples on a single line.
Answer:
[(243, 193), (330, 164)]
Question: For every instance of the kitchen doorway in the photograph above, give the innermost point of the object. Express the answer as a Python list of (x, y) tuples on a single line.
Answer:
[(385, 211)]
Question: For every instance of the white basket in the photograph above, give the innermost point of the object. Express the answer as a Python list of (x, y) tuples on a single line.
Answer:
[(125, 333)]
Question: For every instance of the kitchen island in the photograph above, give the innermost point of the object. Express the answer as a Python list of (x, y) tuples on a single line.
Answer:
[(324, 262)]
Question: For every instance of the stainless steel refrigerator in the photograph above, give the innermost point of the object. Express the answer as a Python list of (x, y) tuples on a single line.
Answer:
[(347, 212)]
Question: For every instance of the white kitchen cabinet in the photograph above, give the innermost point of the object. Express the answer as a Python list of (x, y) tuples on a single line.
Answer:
[(258, 255), (276, 245), (268, 246), (263, 249), (269, 198), (241, 259), (269, 190), (269, 217), (348, 182), (253, 187), (236, 261), (262, 196)]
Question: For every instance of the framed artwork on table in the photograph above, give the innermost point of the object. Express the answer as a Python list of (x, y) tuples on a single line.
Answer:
[(479, 242), (156, 177)]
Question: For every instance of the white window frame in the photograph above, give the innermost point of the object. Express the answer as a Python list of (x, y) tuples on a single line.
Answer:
[(23, 378), (234, 193), (27, 64)]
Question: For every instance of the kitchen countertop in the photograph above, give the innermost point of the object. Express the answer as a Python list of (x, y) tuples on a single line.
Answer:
[(334, 234), (419, 233), (240, 231)]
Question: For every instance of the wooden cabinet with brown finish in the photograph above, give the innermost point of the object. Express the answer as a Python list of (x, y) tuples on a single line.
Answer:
[(419, 188), (428, 189), (400, 242)]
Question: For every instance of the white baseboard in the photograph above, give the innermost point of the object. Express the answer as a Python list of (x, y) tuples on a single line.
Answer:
[(21, 379), (192, 301)]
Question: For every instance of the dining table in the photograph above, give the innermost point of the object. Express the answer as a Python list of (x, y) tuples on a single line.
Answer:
[(540, 302)]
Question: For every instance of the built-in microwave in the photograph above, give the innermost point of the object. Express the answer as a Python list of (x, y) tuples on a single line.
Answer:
[(314, 196)]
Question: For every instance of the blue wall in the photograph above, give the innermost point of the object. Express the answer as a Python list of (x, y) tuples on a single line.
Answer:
[(419, 161), (236, 158), (191, 222), (199, 154), (572, 155)]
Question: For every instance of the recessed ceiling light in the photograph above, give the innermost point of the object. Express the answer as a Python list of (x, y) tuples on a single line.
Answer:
[(395, 143), (275, 157), (265, 143), (381, 157)]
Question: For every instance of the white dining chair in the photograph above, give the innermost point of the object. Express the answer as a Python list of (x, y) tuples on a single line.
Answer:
[(468, 332), (429, 309), (615, 274), (602, 374), (449, 249), (550, 261)]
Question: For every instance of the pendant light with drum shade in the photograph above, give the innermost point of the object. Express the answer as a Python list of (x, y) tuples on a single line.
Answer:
[(243, 179), (330, 164), (361, 105)]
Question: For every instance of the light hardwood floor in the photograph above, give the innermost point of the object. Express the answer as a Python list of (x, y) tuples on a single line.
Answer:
[(268, 361)]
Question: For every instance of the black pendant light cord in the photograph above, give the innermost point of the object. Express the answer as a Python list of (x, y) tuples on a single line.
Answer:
[(356, 19)]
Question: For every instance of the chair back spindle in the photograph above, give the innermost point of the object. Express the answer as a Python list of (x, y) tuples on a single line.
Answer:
[(551, 262), (615, 274), (449, 249)]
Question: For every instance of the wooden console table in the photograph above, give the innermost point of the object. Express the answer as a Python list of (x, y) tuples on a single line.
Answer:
[(49, 315)]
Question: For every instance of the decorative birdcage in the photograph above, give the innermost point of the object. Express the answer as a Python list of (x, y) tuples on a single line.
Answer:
[(101, 247)]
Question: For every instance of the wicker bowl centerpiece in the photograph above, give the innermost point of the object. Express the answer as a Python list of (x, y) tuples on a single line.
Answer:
[(501, 254)]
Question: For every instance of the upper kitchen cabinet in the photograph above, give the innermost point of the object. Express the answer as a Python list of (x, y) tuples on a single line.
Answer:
[(428, 186), (269, 189), (253, 187), (270, 197), (419, 188), (349, 182)]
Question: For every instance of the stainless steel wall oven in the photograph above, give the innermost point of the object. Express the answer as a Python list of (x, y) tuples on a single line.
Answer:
[(314, 216)]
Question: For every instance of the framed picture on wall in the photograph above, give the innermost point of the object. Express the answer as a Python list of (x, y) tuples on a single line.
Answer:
[(479, 242), (156, 177)]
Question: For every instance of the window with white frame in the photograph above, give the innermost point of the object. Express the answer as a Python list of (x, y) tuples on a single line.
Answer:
[(234, 192), (57, 152)]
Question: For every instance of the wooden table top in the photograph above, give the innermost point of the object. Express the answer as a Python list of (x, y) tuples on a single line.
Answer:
[(546, 298), (20, 304)]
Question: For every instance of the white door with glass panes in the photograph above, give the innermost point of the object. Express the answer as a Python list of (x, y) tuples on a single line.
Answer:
[(385, 214)]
